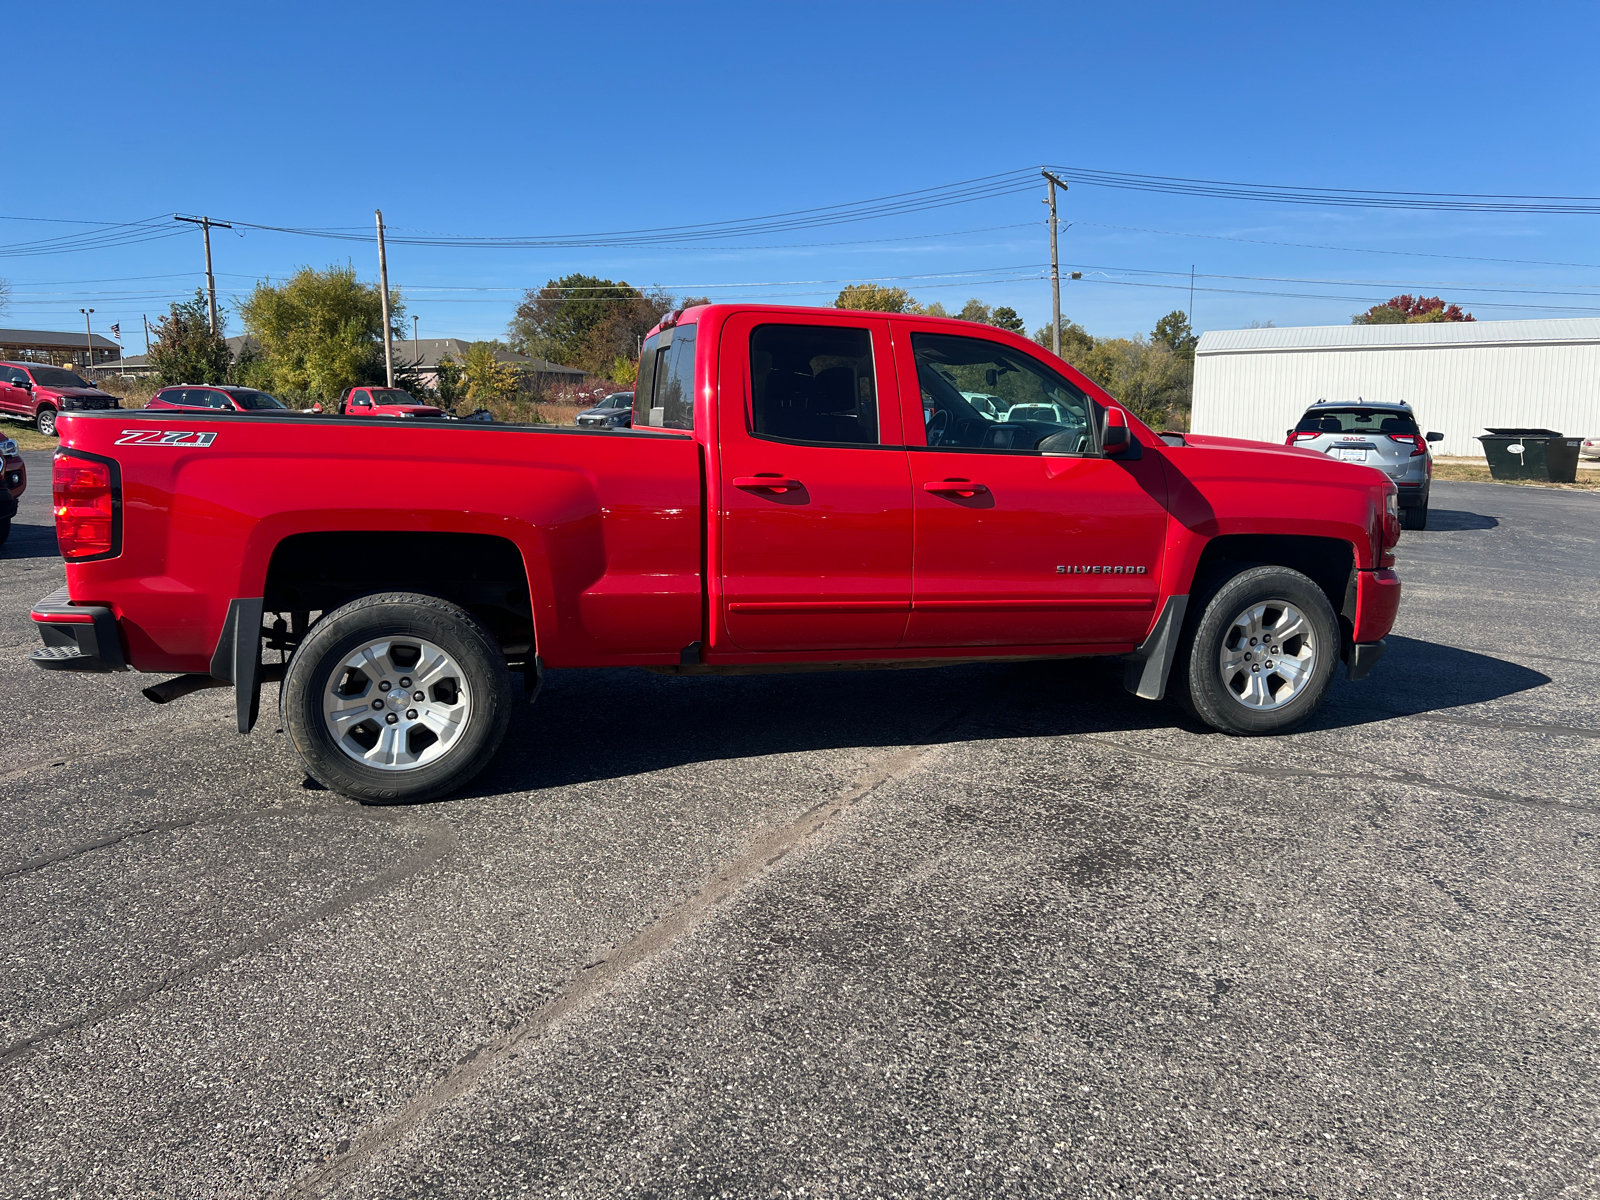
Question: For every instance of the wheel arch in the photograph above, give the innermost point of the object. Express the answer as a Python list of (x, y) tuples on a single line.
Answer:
[(1328, 562), (483, 573)]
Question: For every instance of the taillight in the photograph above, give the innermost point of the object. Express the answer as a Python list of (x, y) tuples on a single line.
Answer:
[(1303, 435), (1418, 444), (86, 505)]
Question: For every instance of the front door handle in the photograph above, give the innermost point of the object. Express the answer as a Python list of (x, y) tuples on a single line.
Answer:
[(964, 488), (768, 483)]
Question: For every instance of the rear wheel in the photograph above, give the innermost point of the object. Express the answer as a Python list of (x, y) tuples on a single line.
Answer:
[(45, 419), (1262, 654), (1414, 518), (396, 698)]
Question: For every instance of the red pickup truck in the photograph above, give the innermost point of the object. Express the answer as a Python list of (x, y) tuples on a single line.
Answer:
[(801, 488)]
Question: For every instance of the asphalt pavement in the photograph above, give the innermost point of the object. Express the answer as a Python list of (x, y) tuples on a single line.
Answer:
[(990, 930)]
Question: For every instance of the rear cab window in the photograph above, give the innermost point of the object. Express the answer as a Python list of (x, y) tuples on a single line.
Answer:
[(664, 395), (813, 383), (1358, 420)]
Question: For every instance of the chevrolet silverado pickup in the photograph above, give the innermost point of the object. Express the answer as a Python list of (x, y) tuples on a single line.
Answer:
[(800, 489)]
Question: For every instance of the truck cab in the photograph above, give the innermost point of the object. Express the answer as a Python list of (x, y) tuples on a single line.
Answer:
[(383, 402)]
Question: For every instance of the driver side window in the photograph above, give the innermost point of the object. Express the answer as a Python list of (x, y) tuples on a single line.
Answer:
[(980, 395)]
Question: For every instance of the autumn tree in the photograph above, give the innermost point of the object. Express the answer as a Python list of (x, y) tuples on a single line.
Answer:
[(484, 376), (1411, 310), (186, 349)]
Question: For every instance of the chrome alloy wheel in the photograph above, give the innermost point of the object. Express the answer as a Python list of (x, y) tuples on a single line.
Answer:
[(396, 704), (1268, 656)]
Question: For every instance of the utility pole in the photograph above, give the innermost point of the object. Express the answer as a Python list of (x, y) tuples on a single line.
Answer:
[(88, 336), (1191, 298), (205, 224), (1052, 183), (146, 318), (414, 353), (383, 281)]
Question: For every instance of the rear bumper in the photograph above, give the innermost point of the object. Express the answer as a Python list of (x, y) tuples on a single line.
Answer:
[(77, 637), (1377, 605), (1412, 495)]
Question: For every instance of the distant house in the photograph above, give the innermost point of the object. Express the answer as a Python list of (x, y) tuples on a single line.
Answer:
[(58, 349), (425, 353), (537, 373)]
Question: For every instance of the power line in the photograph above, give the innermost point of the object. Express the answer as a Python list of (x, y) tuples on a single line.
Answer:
[(1219, 237), (1332, 197)]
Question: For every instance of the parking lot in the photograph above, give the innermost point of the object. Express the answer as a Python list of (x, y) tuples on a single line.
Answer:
[(990, 930)]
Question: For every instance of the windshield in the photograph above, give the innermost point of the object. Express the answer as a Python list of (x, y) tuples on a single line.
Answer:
[(56, 377), (617, 400), (256, 401), (1357, 420), (391, 396)]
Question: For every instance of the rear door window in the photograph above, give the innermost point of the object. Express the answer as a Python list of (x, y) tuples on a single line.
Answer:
[(813, 383)]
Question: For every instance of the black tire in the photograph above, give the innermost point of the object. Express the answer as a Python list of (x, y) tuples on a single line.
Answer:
[(1199, 684), (1414, 518), (45, 421), (5, 530), (398, 616)]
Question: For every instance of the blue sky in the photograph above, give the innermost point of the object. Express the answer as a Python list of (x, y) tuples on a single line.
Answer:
[(517, 120)]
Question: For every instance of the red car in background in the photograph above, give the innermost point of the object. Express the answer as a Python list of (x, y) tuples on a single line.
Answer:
[(383, 402), (13, 482), (37, 392), (221, 397)]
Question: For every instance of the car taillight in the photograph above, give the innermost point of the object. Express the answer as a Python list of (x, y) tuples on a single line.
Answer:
[(1391, 522), (86, 504), (1418, 444), (1302, 435)]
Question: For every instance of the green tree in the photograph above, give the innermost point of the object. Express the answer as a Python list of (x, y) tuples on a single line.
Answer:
[(448, 380), (578, 318), (873, 297), (1173, 332), (186, 349), (485, 376), (1007, 318), (322, 331), (1076, 341), (975, 310)]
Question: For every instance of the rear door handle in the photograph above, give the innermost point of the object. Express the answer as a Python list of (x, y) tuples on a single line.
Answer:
[(955, 487), (768, 483)]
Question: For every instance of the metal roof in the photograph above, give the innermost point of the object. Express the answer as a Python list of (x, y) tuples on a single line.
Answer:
[(1399, 337), (45, 339)]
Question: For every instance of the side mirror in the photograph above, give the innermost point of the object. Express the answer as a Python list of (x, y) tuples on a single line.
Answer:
[(317, 407), (1436, 437), (1115, 439), (25, 384)]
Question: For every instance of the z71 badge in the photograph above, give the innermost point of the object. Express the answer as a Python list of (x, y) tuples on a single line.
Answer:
[(165, 437)]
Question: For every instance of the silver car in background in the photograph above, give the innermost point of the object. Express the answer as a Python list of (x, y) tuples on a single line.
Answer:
[(1379, 433)]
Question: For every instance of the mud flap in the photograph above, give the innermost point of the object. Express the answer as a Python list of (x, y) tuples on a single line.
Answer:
[(237, 659), (1149, 665)]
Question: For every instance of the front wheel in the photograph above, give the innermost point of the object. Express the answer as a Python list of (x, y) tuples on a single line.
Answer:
[(5, 530), (1262, 654), (396, 698), (46, 421)]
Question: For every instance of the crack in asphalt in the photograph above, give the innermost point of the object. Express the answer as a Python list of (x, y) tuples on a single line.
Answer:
[(439, 838), (596, 978)]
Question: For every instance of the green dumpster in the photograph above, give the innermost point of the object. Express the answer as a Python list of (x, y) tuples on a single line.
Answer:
[(1541, 454)]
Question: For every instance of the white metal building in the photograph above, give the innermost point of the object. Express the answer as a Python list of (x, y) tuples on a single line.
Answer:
[(1459, 377)]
